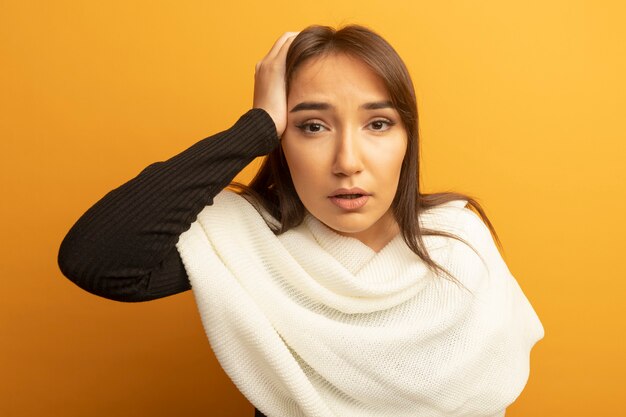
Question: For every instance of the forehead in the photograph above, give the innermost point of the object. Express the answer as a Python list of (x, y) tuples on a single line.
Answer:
[(337, 75)]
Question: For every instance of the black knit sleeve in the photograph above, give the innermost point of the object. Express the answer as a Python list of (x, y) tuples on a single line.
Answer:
[(123, 247)]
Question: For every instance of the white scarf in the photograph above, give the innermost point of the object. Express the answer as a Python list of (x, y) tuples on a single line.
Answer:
[(312, 323)]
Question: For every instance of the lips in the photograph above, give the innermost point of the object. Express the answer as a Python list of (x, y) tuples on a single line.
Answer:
[(349, 199), (349, 193)]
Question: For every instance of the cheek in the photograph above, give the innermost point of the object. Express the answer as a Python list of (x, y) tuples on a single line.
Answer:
[(388, 160), (303, 166)]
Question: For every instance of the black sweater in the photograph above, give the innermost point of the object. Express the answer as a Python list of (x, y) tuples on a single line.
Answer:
[(123, 247)]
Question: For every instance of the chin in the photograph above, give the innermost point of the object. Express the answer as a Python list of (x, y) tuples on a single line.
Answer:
[(348, 227)]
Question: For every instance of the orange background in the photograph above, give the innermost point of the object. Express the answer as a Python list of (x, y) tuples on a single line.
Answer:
[(522, 104)]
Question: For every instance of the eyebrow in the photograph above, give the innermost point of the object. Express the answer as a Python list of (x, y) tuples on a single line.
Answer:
[(316, 105), (378, 105)]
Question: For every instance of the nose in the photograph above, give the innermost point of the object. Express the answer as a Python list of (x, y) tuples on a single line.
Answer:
[(347, 154)]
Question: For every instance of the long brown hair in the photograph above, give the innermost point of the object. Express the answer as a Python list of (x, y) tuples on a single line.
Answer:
[(272, 186)]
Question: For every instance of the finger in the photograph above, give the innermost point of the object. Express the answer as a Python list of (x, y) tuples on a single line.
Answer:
[(279, 43), (282, 52)]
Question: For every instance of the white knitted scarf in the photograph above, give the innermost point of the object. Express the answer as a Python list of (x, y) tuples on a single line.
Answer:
[(312, 323)]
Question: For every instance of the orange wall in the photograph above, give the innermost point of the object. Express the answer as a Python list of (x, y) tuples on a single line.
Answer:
[(522, 104)]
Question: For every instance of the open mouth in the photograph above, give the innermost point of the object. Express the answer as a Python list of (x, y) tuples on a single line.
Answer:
[(348, 196), (350, 201)]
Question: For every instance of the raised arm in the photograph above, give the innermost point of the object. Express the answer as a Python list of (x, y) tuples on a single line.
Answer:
[(123, 247)]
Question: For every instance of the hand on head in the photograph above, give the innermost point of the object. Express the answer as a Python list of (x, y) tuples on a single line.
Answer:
[(269, 82)]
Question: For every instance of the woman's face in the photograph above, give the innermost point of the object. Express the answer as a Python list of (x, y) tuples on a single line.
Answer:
[(342, 134)]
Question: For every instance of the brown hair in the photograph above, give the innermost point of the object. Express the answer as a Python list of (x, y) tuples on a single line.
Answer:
[(272, 186)]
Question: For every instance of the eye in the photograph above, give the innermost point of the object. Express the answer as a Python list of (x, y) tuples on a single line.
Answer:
[(381, 125), (310, 127)]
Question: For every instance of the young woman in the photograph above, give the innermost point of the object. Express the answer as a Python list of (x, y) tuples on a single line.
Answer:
[(330, 286)]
